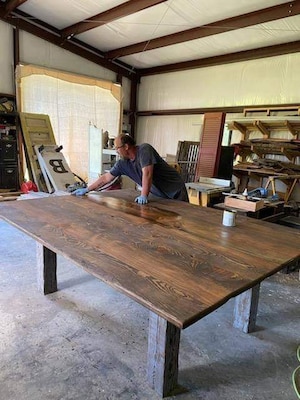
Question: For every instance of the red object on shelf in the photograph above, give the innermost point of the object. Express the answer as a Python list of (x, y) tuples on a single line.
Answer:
[(29, 186)]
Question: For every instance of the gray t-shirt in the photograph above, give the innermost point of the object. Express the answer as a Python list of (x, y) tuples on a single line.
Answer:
[(166, 182)]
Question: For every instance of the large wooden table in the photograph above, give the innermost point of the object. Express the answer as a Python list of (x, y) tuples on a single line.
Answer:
[(176, 259)]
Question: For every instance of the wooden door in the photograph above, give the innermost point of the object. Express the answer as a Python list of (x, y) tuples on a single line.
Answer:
[(37, 131), (210, 145)]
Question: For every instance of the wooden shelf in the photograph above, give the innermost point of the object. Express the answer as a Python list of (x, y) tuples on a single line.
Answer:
[(265, 126), (266, 111), (289, 149)]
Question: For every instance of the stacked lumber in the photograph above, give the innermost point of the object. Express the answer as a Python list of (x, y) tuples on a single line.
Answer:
[(270, 167), (8, 196)]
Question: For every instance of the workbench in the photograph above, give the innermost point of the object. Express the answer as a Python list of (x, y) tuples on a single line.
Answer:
[(174, 258), (244, 173), (201, 193)]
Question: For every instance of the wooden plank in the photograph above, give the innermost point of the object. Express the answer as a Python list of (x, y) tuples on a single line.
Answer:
[(194, 196), (46, 268), (215, 181), (246, 205), (162, 360), (291, 129), (234, 125), (262, 128), (37, 131), (245, 310), (8, 198), (4, 194)]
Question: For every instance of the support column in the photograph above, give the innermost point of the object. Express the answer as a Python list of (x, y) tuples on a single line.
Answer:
[(245, 309), (163, 349), (46, 269)]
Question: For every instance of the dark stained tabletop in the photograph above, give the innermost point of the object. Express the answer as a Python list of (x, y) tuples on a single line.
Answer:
[(174, 258)]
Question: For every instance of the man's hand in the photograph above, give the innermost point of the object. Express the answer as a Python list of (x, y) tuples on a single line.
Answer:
[(80, 191), (141, 199)]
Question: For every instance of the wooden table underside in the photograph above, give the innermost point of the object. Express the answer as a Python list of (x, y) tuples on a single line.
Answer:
[(176, 259)]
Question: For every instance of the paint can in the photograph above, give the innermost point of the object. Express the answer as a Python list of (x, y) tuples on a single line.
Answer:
[(229, 218)]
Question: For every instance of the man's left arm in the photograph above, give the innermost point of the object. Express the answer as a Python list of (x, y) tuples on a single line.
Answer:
[(147, 179), (146, 184)]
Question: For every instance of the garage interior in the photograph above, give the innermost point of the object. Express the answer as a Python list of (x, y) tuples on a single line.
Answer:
[(180, 75)]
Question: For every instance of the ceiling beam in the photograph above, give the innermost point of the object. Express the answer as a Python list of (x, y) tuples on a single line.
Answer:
[(261, 52), (44, 31), (130, 7), (242, 21), (10, 5), (40, 29)]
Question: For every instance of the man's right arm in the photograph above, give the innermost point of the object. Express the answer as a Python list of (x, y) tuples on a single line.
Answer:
[(101, 181)]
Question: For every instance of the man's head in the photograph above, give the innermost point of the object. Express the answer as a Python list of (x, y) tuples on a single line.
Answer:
[(125, 146)]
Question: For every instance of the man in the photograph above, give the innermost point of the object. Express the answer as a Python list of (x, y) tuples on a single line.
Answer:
[(146, 168)]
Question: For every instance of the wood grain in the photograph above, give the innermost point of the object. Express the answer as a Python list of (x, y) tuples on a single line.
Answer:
[(176, 259)]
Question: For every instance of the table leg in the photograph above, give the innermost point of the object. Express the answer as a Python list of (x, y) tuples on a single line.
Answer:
[(245, 309), (204, 199), (163, 349), (46, 269)]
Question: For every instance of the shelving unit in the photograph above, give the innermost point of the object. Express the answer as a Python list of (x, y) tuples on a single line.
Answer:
[(268, 141), (108, 159), (9, 151), (101, 154)]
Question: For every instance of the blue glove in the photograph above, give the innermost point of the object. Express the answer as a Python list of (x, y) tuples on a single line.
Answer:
[(141, 199), (80, 191)]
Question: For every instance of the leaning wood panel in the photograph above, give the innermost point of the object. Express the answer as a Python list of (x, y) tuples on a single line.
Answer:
[(210, 146), (37, 131), (186, 158)]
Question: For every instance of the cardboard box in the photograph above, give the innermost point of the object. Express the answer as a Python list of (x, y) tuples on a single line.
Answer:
[(246, 205)]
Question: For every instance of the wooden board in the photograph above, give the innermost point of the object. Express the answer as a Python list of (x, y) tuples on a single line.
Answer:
[(37, 131), (247, 205)]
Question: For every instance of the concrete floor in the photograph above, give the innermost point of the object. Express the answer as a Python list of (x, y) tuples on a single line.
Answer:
[(88, 342)]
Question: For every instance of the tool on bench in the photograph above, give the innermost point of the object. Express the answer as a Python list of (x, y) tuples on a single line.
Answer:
[(258, 192), (77, 185)]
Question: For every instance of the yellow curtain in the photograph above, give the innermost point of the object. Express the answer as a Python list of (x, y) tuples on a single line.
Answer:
[(73, 103)]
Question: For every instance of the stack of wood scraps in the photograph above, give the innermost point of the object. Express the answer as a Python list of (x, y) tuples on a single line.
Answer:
[(261, 147), (8, 196), (269, 167)]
